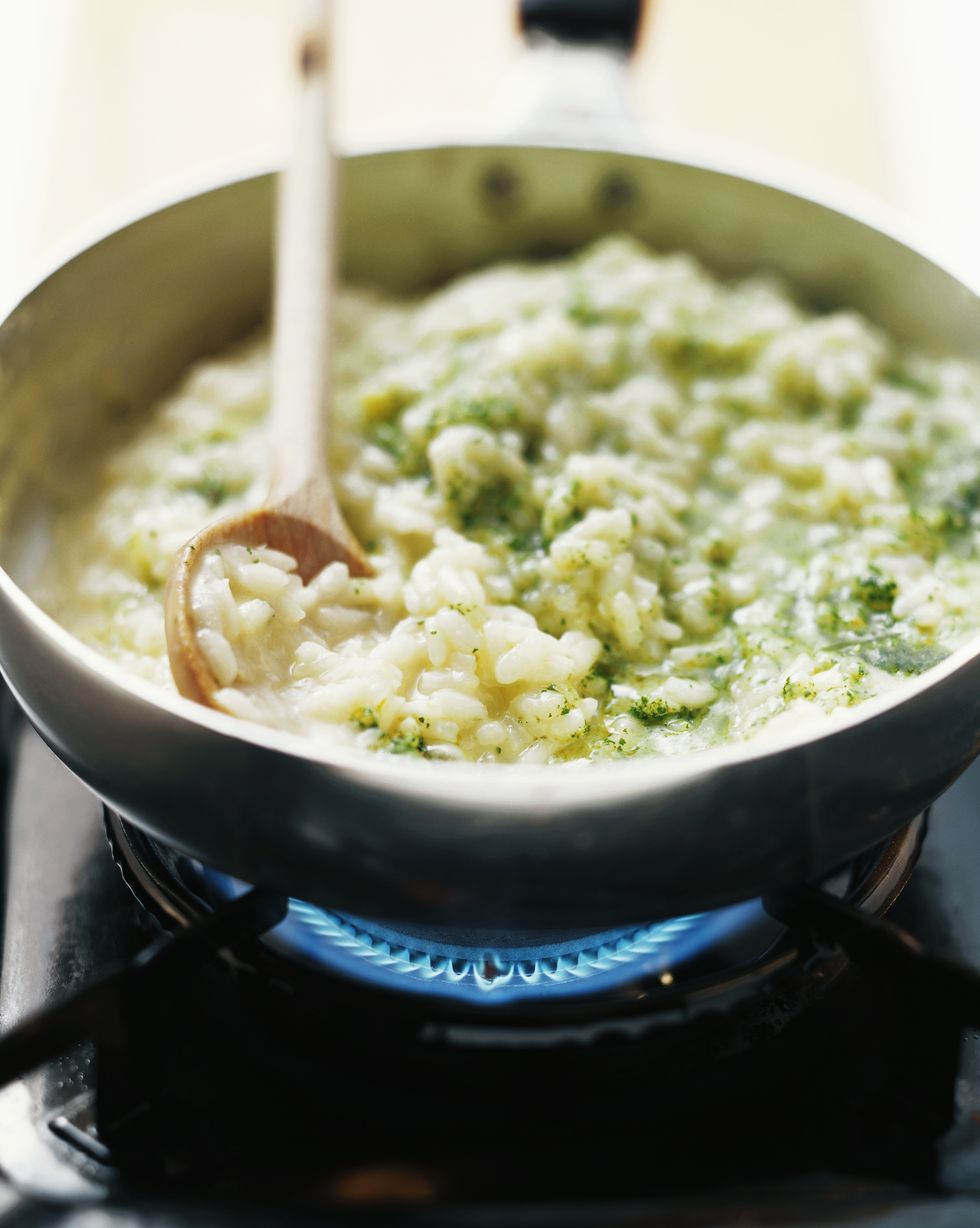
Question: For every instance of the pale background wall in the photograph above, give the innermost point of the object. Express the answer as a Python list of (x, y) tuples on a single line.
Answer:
[(109, 103)]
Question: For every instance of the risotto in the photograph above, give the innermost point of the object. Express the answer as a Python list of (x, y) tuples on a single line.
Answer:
[(613, 505)]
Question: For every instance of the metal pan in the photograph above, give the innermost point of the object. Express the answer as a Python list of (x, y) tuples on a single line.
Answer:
[(583, 845)]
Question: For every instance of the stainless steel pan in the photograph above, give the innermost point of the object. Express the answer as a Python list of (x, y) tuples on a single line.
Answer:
[(105, 334)]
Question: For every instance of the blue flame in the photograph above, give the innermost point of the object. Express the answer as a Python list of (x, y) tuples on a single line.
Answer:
[(501, 970)]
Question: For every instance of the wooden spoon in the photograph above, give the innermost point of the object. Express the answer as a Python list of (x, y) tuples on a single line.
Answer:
[(302, 516)]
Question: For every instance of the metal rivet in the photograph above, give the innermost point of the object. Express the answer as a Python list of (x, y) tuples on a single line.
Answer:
[(500, 188), (616, 193)]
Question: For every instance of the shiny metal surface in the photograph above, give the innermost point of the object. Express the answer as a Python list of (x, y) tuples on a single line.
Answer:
[(84, 355)]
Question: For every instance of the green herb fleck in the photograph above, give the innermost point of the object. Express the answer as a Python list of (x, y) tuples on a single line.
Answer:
[(877, 593), (406, 744), (653, 711), (896, 655), (899, 378), (210, 486)]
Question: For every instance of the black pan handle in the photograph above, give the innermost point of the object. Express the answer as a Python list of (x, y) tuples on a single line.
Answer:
[(612, 22)]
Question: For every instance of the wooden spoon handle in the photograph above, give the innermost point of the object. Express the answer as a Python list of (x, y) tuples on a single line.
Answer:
[(305, 270)]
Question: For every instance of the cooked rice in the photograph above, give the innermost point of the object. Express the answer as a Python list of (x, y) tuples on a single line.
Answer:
[(614, 506)]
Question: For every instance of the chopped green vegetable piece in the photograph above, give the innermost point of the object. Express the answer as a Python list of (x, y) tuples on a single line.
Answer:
[(655, 711), (877, 593), (896, 655), (406, 744), (209, 486)]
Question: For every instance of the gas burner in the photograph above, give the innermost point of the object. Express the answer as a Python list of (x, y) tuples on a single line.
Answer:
[(699, 954), (284, 1052)]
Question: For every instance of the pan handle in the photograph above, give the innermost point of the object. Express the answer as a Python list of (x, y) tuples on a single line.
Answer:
[(570, 86), (612, 23)]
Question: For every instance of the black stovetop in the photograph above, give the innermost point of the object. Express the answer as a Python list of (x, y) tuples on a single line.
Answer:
[(271, 1108)]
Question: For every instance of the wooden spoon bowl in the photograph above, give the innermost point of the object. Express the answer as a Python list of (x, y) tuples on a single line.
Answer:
[(307, 526)]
